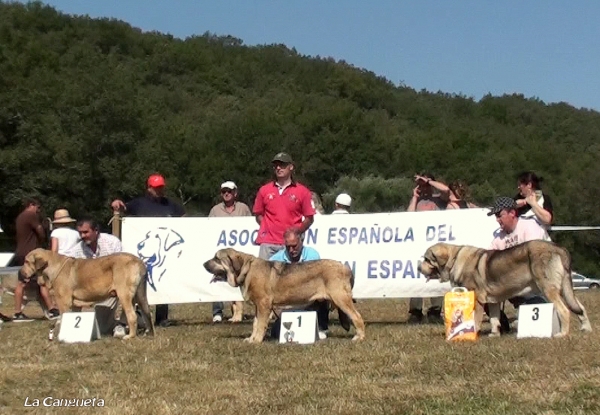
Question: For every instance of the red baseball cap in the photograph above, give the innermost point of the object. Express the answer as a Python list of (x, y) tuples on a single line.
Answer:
[(156, 180)]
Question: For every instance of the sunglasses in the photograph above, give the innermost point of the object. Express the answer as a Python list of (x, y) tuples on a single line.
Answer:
[(280, 165), (223, 191)]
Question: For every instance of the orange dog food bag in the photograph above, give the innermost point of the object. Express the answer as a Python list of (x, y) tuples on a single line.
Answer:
[(459, 315)]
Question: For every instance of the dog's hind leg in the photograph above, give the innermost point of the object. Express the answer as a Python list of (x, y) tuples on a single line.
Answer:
[(141, 297), (583, 319), (126, 300), (344, 303), (564, 314)]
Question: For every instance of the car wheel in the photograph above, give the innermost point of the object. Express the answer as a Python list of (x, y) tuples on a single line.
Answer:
[(594, 286)]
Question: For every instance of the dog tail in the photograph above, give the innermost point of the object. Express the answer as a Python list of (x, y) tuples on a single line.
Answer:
[(567, 284), (345, 320), (141, 297)]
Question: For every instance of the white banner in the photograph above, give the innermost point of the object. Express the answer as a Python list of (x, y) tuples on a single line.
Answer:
[(383, 249)]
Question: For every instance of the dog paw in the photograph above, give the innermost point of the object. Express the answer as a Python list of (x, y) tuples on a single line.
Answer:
[(587, 329), (235, 320), (357, 338), (494, 334)]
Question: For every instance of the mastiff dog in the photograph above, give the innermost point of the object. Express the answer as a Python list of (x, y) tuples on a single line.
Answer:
[(77, 283), (269, 285), (495, 276)]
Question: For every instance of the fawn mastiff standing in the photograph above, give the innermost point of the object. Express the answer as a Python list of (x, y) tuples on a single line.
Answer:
[(78, 283)]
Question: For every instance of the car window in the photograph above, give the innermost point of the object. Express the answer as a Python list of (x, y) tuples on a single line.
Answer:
[(577, 277)]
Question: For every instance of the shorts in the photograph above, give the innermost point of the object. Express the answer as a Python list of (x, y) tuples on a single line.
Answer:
[(18, 261)]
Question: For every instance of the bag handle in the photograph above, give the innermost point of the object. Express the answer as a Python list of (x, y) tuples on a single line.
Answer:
[(459, 290)]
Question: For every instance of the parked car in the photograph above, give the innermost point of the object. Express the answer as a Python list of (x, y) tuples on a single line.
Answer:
[(581, 282)]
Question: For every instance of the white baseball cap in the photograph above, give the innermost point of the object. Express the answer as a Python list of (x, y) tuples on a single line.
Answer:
[(343, 199), (228, 185)]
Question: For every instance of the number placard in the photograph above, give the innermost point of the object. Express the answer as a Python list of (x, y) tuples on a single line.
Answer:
[(298, 327), (78, 327), (537, 320)]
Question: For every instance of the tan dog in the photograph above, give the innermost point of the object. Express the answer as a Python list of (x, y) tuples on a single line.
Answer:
[(495, 276), (78, 283), (269, 285)]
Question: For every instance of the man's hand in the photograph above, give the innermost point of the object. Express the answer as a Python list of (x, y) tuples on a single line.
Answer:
[(117, 205), (531, 199), (416, 192), (521, 202)]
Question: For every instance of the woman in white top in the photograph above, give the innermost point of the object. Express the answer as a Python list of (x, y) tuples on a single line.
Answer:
[(63, 237)]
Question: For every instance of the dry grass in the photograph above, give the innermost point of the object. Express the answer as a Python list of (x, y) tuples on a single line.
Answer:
[(200, 368)]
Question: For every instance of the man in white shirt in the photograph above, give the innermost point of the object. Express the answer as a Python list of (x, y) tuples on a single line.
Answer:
[(95, 244), (342, 204), (515, 231)]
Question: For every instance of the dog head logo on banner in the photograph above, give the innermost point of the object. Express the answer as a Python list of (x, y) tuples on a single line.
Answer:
[(158, 249)]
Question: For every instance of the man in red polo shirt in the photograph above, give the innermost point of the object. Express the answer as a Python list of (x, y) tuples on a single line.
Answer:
[(279, 205)]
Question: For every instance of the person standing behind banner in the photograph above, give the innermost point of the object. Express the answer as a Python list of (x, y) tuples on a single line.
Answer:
[(532, 203), (459, 196), (153, 204), (342, 204), (229, 207), (429, 194), (279, 205)]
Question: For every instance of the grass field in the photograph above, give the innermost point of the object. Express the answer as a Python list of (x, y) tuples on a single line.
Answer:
[(196, 367)]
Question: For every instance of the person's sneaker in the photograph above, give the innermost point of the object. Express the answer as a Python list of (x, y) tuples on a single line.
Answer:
[(4, 318), (21, 318), (52, 314), (415, 317), (217, 318), (119, 332), (322, 335)]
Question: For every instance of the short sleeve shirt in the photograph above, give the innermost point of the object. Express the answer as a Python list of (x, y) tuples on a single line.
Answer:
[(147, 206), (281, 210), (526, 230), (107, 244), (27, 237), (308, 254), (239, 209)]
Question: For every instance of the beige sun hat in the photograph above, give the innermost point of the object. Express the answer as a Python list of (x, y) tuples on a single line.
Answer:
[(62, 216)]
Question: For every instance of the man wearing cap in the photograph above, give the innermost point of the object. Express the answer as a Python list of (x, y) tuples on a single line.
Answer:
[(281, 204), (342, 204), (229, 207), (514, 231), (152, 204)]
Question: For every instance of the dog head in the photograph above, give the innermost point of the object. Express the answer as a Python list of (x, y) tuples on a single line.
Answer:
[(34, 265), (437, 262), (229, 265), (153, 249)]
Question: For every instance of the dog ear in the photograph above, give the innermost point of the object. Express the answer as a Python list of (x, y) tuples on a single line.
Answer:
[(244, 271), (172, 239), (40, 263), (227, 264)]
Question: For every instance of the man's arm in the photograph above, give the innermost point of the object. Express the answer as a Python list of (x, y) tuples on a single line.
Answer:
[(38, 228), (308, 220), (259, 207), (412, 206)]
